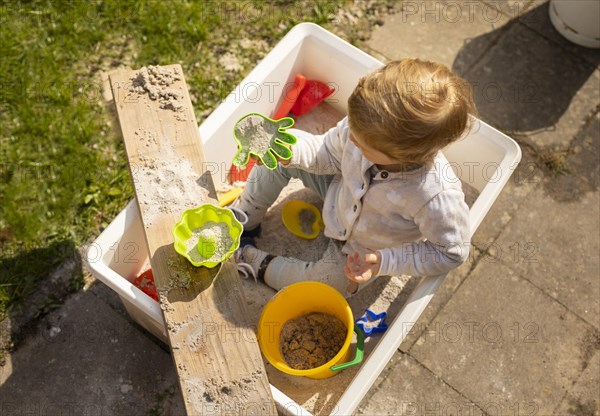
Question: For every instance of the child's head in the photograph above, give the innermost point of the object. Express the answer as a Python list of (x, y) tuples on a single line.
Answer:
[(410, 109)]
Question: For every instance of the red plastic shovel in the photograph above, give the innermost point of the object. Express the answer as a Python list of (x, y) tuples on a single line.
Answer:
[(290, 98), (312, 94)]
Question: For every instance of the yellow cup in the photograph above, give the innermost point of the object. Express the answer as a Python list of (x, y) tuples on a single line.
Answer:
[(301, 299)]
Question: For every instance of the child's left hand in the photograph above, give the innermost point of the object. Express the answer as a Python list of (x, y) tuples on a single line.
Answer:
[(360, 269)]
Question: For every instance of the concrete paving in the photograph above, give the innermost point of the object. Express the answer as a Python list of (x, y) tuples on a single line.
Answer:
[(515, 330), (409, 388), (498, 351), (88, 359)]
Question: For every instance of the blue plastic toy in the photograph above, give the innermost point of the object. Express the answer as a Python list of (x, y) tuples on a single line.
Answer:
[(371, 316)]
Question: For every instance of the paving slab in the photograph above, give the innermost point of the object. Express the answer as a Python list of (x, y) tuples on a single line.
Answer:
[(525, 177), (85, 359), (555, 246), (554, 238), (109, 297), (535, 15), (438, 30), (409, 389), (584, 397), (506, 345), (451, 283), (112, 300), (529, 86), (578, 169)]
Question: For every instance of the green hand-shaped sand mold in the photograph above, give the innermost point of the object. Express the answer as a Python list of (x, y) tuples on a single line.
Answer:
[(264, 138)]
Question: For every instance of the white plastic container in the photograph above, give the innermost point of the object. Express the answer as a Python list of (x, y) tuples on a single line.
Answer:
[(577, 20), (485, 159)]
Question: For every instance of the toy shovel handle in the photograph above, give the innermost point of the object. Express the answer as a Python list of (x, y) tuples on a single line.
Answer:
[(291, 97), (360, 348)]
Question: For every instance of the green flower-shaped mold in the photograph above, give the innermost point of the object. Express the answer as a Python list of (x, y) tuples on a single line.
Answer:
[(264, 138), (192, 225)]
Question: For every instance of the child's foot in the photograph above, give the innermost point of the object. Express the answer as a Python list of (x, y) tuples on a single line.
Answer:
[(252, 215), (253, 233), (252, 262)]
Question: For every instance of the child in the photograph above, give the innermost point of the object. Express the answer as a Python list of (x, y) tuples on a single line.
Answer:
[(392, 204)]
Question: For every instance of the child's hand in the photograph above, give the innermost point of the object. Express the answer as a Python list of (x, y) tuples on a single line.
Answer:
[(360, 269)]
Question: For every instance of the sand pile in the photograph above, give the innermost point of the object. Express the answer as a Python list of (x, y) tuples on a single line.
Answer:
[(155, 82), (311, 340), (307, 219), (255, 133), (214, 239)]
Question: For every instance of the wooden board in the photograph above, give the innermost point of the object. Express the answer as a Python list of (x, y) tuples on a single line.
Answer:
[(213, 345)]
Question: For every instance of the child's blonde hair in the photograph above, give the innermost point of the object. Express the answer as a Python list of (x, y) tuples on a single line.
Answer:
[(410, 109)]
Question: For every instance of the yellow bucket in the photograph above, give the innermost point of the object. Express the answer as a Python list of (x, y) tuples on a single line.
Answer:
[(301, 299)]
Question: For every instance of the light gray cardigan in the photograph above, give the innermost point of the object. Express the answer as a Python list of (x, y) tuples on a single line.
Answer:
[(418, 220)]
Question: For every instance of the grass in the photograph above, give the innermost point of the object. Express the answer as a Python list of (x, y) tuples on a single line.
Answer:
[(63, 171), (556, 161)]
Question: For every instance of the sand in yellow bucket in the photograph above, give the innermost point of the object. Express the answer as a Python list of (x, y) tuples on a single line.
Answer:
[(298, 300)]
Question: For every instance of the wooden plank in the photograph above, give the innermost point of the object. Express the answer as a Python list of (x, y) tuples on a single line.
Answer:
[(213, 345)]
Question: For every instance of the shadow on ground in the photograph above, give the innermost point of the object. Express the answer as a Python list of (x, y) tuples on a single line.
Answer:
[(32, 290), (105, 363), (523, 82)]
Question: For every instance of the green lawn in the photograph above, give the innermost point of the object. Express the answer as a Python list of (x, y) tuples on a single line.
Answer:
[(62, 167)]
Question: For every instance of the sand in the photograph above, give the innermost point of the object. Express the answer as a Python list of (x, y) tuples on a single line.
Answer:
[(307, 219), (215, 240), (311, 340), (164, 182), (255, 133), (155, 82)]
